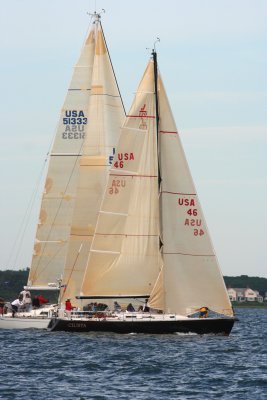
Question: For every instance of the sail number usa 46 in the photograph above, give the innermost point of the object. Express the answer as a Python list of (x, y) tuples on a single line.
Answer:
[(191, 218)]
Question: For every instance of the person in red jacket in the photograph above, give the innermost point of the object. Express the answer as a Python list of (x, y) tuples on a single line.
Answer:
[(68, 308), (42, 300)]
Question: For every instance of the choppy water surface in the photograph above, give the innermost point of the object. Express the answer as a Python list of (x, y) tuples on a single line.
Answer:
[(42, 365)]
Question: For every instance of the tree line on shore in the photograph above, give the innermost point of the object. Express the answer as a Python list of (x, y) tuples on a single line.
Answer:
[(12, 282)]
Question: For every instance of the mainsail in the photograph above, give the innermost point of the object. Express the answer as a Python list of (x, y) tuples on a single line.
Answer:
[(81, 154), (106, 115), (151, 237), (124, 258)]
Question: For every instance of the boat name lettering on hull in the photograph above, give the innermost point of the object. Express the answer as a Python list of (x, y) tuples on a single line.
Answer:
[(76, 325)]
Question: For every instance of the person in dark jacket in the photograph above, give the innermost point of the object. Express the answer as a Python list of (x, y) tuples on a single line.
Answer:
[(145, 307), (35, 302), (203, 312), (130, 308)]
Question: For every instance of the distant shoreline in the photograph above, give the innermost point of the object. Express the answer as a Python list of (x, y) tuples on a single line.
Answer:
[(249, 305)]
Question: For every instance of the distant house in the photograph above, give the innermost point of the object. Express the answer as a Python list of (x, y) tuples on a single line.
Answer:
[(244, 294)]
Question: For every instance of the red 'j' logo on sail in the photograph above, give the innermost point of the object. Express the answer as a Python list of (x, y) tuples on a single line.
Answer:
[(143, 112)]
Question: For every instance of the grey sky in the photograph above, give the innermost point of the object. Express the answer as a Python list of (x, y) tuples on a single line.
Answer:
[(213, 60)]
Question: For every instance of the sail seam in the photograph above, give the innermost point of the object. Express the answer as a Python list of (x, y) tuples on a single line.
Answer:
[(166, 132), (105, 94), (136, 176), (124, 234), (193, 255), (129, 173), (65, 154), (181, 193), (141, 116), (83, 235), (50, 241)]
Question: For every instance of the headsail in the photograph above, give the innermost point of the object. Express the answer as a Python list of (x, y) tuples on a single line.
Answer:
[(191, 277), (92, 76), (106, 114)]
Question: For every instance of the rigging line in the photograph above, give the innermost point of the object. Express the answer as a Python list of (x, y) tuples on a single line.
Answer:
[(25, 221), (58, 209), (54, 255), (30, 206), (72, 269), (112, 68)]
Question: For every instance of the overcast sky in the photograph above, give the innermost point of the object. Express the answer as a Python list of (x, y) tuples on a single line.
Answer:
[(213, 59)]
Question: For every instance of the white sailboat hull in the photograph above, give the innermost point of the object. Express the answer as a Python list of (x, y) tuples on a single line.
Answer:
[(35, 319), (23, 322)]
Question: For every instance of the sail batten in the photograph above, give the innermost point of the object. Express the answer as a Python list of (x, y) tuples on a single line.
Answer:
[(113, 213), (105, 251)]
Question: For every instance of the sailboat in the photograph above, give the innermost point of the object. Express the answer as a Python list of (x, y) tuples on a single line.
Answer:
[(151, 240), (81, 155)]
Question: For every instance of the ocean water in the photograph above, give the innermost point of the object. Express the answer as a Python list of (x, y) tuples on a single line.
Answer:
[(59, 365)]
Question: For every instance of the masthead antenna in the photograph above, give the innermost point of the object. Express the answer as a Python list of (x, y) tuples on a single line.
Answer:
[(96, 15), (154, 48)]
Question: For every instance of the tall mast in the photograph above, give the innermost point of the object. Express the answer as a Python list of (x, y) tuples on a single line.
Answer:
[(154, 55)]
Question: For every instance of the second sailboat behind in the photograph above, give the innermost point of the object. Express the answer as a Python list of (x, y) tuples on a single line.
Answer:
[(81, 155)]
